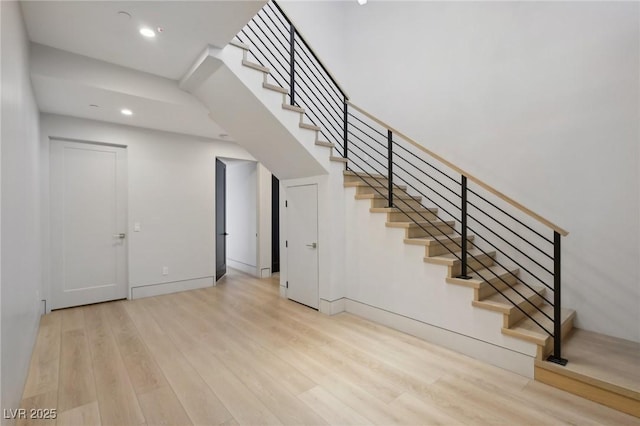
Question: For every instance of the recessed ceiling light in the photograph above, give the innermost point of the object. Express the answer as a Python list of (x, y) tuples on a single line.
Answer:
[(94, 106), (147, 32), (125, 16), (126, 111), (362, 2)]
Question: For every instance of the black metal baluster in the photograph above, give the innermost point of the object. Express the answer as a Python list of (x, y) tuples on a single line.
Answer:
[(463, 256), (292, 57), (390, 167), (556, 356), (346, 130)]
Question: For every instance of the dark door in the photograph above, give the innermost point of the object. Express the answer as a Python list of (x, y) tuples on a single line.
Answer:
[(221, 219), (275, 224)]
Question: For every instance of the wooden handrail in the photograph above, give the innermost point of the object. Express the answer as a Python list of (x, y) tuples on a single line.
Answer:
[(469, 176)]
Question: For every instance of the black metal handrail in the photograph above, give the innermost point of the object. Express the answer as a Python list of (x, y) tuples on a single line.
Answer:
[(377, 152)]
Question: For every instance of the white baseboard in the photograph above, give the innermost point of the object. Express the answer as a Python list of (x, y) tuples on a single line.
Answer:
[(332, 307), (495, 355), (243, 267), (172, 287)]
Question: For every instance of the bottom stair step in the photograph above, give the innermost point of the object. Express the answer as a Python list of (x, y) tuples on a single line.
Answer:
[(530, 331), (601, 368)]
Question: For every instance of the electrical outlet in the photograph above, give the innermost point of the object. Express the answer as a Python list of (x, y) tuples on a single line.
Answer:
[(165, 270)]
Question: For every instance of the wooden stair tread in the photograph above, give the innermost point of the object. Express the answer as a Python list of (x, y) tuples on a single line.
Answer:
[(326, 144), (376, 195), (351, 173), (309, 126), (294, 108), (498, 301), (275, 88), (529, 330), (601, 368), (431, 224), (427, 241), (603, 361), (486, 274), (449, 259), (338, 159), (255, 66), (364, 184), (397, 210)]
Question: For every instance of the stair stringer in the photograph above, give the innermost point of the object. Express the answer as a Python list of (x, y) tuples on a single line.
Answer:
[(253, 115), (388, 282)]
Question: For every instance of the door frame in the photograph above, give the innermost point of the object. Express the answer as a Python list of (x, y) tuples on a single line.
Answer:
[(48, 283), (263, 233)]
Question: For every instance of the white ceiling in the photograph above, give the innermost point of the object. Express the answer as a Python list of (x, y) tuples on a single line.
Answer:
[(67, 84), (114, 67), (95, 29)]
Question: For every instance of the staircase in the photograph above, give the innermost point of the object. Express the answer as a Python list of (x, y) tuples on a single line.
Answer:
[(497, 250), (495, 289)]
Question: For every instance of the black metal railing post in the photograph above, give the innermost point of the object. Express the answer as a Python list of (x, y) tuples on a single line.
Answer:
[(390, 167), (292, 61), (463, 255), (556, 356), (345, 126)]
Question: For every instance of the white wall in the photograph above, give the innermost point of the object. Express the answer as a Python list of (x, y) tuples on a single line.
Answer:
[(21, 265), (539, 99), (171, 194), (323, 24), (242, 216)]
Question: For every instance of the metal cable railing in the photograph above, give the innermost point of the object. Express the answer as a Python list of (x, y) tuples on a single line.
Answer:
[(511, 253)]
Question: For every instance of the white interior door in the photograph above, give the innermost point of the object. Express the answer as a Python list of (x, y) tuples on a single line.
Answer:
[(302, 244), (88, 223)]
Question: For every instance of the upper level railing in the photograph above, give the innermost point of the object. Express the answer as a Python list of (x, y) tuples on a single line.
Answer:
[(516, 251)]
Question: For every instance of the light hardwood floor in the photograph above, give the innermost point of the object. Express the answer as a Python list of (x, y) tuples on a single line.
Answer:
[(239, 354)]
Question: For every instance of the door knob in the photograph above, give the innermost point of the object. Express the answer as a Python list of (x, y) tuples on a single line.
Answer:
[(312, 245), (121, 236)]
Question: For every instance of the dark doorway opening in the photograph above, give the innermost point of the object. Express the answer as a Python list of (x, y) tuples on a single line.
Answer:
[(221, 219), (275, 224)]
